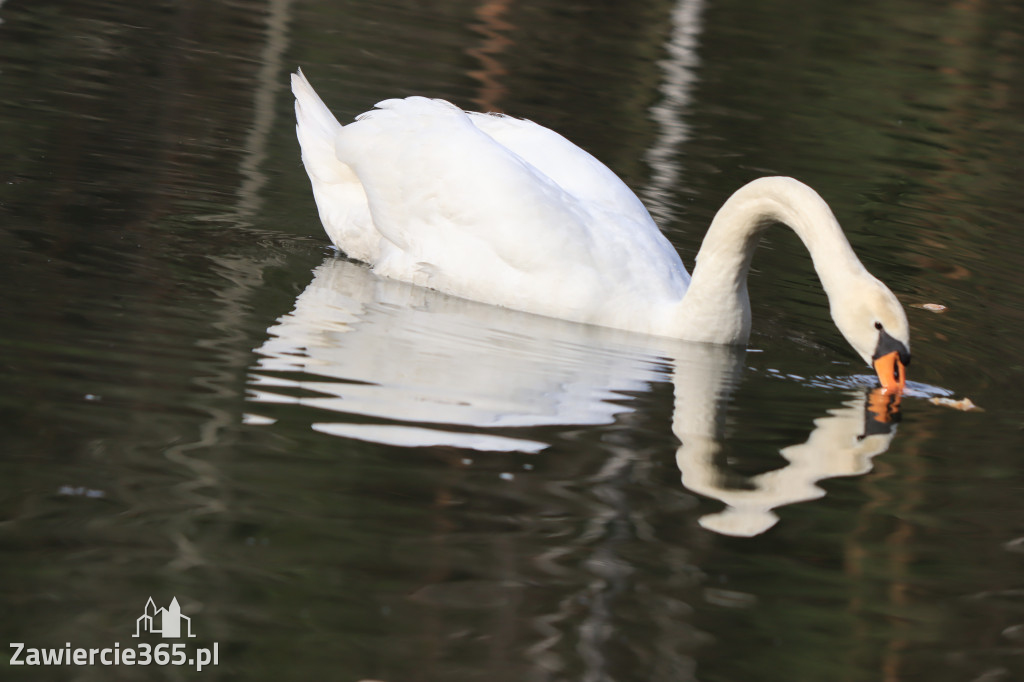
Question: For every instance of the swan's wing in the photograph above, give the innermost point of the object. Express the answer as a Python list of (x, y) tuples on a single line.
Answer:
[(433, 181), (462, 212), (569, 166), (632, 230)]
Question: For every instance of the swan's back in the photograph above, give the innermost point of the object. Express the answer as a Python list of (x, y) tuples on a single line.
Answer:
[(486, 207)]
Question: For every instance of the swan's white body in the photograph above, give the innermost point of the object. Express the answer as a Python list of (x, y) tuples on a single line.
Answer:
[(507, 212)]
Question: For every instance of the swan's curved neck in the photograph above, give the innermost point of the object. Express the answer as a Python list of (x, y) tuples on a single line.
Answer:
[(716, 307)]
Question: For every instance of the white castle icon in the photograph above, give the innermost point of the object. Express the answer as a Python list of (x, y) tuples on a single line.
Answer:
[(166, 622)]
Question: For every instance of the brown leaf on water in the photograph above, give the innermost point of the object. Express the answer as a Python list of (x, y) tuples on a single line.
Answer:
[(964, 404)]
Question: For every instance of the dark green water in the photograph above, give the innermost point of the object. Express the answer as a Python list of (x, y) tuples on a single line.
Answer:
[(201, 401)]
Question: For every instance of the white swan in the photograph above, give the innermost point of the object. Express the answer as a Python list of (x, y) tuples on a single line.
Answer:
[(507, 212)]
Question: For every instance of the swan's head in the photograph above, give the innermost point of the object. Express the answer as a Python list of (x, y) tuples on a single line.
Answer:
[(873, 321)]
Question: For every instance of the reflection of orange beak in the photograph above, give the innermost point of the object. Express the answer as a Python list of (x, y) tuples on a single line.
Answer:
[(891, 372), (884, 405)]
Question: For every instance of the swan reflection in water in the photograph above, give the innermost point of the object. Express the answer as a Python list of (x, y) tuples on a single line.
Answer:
[(425, 369)]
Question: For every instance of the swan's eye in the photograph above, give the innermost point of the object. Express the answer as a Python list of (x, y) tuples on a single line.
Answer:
[(878, 325)]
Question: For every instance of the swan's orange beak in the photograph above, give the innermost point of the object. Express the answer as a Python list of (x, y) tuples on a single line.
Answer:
[(891, 372)]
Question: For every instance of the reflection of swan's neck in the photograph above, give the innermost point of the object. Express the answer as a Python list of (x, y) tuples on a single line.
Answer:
[(837, 446), (716, 307)]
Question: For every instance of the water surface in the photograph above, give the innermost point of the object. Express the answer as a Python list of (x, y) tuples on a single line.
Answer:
[(343, 477)]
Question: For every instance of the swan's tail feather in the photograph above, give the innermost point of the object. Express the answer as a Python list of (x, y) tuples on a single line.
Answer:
[(339, 195), (317, 130)]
